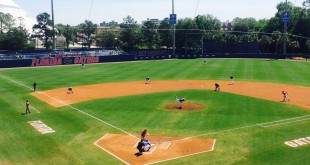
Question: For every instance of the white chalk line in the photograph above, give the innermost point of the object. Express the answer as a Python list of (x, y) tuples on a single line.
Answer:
[(87, 114), (282, 120), (178, 157), (265, 125), (96, 143), (31, 107), (23, 86), (295, 121)]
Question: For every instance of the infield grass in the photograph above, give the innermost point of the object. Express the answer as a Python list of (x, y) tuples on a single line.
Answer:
[(229, 118)]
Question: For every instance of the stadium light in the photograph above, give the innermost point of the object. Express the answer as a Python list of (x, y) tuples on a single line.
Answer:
[(173, 29), (54, 41)]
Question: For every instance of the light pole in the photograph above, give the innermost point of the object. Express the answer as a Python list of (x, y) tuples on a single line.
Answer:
[(285, 31), (54, 42), (173, 29)]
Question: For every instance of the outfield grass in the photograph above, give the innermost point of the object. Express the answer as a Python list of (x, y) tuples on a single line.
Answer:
[(75, 133)]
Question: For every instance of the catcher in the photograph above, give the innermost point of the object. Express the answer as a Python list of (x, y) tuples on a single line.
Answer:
[(143, 146)]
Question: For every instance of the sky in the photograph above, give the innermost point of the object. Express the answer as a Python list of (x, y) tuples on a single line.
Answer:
[(74, 12)]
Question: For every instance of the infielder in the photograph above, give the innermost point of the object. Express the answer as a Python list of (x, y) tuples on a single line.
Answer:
[(148, 80), (70, 90), (285, 96)]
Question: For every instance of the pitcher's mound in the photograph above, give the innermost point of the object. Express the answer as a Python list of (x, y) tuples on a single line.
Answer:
[(185, 106)]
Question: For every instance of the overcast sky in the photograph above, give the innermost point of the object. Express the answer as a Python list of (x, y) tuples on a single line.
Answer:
[(74, 12)]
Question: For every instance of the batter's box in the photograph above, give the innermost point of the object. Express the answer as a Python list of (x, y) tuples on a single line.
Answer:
[(121, 147), (163, 145)]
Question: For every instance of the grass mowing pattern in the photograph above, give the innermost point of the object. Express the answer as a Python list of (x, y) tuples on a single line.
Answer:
[(75, 133)]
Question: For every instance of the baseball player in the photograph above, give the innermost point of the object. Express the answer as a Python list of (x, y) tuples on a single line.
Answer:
[(70, 90), (231, 79), (34, 86), (143, 134), (148, 80), (82, 65), (27, 106), (217, 87), (180, 100), (285, 96)]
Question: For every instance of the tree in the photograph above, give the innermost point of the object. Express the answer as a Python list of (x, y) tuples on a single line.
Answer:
[(43, 29), (265, 44), (6, 22), (244, 25), (67, 31), (308, 45), (150, 35), (165, 32), (183, 27), (107, 39), (260, 25), (88, 28), (130, 34), (208, 22), (15, 39), (210, 26), (201, 22)]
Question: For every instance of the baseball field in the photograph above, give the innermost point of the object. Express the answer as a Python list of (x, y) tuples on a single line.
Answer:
[(101, 122)]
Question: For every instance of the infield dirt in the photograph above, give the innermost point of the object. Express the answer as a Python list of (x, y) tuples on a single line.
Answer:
[(298, 95)]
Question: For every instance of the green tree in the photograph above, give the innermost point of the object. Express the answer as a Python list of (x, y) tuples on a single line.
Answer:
[(150, 35), (210, 26), (67, 31), (265, 43), (15, 39), (261, 25), (88, 28), (183, 27), (165, 32), (6, 22), (244, 25), (130, 35), (43, 29), (107, 39), (308, 45)]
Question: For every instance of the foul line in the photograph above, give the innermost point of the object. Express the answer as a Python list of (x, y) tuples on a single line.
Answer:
[(282, 120), (31, 107), (264, 125), (294, 121), (222, 131), (23, 86), (87, 114)]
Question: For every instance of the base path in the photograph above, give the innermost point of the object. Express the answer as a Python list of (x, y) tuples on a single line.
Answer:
[(298, 95)]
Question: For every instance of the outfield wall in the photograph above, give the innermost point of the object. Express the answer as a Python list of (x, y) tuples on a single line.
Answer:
[(119, 58)]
